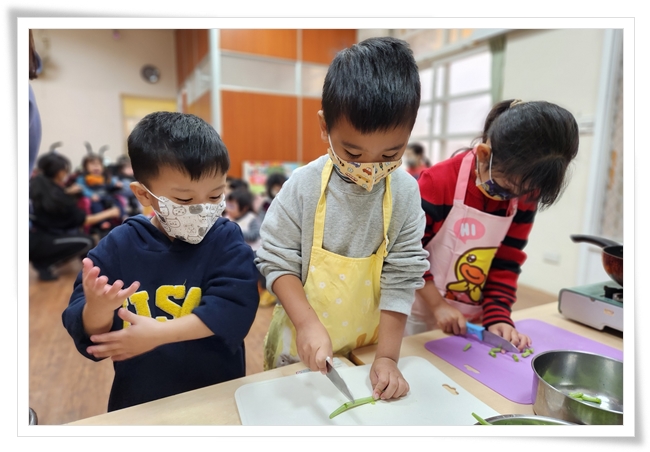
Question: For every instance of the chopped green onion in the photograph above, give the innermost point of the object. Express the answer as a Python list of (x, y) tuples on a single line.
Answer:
[(348, 405), (515, 357), (481, 420), (591, 399)]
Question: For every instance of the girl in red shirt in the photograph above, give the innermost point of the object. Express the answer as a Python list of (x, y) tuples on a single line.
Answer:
[(480, 205)]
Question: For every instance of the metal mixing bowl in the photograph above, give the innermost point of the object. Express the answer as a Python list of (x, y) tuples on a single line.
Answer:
[(557, 373), (524, 419)]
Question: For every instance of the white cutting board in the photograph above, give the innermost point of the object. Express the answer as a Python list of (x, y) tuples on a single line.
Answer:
[(309, 398)]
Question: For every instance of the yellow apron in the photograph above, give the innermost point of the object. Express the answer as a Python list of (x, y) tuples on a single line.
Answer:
[(343, 291)]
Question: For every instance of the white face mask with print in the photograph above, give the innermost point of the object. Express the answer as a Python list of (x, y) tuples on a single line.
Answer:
[(187, 222)]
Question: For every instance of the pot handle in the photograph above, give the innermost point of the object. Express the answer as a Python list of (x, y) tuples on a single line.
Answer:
[(599, 241)]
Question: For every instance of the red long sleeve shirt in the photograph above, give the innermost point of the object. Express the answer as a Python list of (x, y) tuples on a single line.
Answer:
[(437, 186)]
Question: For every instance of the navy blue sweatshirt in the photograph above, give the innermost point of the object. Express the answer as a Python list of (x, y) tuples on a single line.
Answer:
[(217, 275)]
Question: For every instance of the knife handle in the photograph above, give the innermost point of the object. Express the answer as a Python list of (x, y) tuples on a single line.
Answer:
[(475, 329)]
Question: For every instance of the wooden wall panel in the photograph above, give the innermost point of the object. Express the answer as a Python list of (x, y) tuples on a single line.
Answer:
[(182, 56), (202, 107), (191, 47), (273, 43), (312, 144), (258, 127), (202, 44), (320, 45)]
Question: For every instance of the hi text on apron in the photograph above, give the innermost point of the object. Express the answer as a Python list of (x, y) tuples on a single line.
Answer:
[(460, 255), (343, 291)]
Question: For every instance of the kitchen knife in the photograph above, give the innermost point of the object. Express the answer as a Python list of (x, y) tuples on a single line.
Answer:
[(491, 338), (335, 378)]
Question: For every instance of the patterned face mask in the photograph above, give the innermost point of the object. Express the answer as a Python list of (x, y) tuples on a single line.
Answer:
[(490, 188), (365, 175), (191, 222)]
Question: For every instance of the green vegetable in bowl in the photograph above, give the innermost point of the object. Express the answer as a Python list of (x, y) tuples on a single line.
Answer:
[(586, 398), (348, 405), (480, 419)]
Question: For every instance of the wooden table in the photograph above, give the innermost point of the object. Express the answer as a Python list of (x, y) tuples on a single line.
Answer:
[(215, 405), (414, 346), (212, 405)]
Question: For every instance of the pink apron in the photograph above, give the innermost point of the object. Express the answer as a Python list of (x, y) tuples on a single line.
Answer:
[(460, 255)]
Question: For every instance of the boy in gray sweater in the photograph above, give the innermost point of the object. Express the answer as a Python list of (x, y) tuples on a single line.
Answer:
[(342, 241)]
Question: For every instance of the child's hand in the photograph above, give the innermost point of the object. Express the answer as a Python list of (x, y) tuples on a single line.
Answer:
[(140, 337), (314, 346), (506, 331), (449, 319), (100, 295), (387, 380), (73, 189)]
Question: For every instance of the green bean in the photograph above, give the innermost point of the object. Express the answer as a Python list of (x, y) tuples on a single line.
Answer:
[(590, 399), (495, 349), (348, 405), (576, 395), (467, 347), (481, 420), (492, 354), (515, 357)]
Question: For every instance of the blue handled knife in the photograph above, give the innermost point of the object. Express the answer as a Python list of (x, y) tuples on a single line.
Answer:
[(491, 338)]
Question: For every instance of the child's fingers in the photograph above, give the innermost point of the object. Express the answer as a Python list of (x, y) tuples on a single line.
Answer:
[(114, 289), (126, 293), (99, 284), (89, 272), (105, 350)]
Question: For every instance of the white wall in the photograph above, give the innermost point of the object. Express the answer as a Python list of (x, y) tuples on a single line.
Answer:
[(560, 66), (86, 72)]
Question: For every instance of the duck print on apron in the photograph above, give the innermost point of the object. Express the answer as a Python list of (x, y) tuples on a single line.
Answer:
[(343, 291), (461, 255)]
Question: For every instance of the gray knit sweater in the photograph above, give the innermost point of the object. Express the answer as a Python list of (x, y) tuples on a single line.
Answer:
[(353, 228)]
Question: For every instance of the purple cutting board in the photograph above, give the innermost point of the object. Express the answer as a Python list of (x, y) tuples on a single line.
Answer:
[(512, 379)]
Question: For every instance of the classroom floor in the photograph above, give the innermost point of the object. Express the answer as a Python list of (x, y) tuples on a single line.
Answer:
[(64, 386)]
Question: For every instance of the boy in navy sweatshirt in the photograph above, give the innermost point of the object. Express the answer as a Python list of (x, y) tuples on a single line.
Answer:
[(171, 298)]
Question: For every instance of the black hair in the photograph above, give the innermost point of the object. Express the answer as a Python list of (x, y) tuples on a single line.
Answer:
[(178, 140), (533, 144), (91, 158), (274, 179), (51, 163), (374, 85), (417, 149), (243, 197), (44, 193), (235, 183)]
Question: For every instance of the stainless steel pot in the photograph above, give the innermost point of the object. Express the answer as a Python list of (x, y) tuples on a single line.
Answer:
[(524, 419), (558, 373)]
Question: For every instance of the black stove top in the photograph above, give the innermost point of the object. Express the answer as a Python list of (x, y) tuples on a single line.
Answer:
[(613, 293)]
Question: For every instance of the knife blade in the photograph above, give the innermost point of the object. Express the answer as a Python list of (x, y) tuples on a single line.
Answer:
[(491, 338), (335, 378)]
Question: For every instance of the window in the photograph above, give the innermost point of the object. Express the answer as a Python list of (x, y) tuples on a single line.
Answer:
[(455, 99)]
